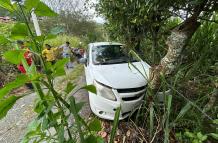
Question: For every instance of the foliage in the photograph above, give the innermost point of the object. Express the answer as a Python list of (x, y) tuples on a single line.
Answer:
[(61, 39), (7, 71), (74, 23), (53, 109), (144, 26), (134, 21)]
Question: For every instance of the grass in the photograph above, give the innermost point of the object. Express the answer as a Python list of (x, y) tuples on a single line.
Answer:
[(75, 73), (71, 76), (61, 39)]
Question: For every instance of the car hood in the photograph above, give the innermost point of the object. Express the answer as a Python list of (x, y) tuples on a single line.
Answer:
[(124, 75)]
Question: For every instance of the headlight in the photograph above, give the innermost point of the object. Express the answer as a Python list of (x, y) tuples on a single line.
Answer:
[(104, 91)]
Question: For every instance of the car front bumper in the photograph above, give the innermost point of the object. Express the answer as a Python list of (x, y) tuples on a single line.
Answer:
[(106, 109)]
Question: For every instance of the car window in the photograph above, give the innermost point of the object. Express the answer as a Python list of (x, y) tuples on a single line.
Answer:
[(110, 54)]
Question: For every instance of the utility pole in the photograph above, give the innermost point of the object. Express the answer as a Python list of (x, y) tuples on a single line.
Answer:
[(36, 23)]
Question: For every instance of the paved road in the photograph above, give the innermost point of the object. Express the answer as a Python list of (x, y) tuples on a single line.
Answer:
[(12, 127)]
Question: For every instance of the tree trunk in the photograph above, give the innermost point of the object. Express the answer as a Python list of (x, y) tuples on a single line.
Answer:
[(176, 42)]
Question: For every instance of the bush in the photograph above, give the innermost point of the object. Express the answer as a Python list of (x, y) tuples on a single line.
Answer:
[(61, 39)]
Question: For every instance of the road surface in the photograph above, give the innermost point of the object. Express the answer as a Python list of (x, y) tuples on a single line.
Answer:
[(12, 127)]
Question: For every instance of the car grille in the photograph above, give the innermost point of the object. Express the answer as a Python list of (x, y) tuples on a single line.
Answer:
[(131, 94), (133, 97), (129, 90)]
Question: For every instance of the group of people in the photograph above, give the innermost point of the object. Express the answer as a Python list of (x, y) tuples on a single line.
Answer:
[(50, 54)]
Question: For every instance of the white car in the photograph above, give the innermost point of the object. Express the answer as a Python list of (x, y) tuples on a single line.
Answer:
[(117, 82)]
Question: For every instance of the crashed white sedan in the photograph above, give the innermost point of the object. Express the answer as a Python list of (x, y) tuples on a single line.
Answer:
[(118, 83)]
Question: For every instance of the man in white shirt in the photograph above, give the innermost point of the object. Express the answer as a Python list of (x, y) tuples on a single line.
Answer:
[(66, 49), (66, 53)]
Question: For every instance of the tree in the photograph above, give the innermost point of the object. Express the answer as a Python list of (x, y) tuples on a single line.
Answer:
[(136, 20), (74, 18)]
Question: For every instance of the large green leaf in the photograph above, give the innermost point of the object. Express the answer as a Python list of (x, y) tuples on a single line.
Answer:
[(58, 68), (20, 80), (214, 135), (6, 105), (6, 4), (19, 31), (43, 10), (90, 88), (29, 4), (14, 56), (95, 125)]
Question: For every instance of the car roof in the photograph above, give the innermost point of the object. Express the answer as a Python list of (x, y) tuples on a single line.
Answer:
[(105, 43)]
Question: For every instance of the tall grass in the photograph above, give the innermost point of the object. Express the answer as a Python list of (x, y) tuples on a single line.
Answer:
[(61, 39)]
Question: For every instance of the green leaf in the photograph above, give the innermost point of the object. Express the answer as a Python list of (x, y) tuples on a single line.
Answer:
[(6, 4), (199, 135), (20, 80), (214, 135), (215, 121), (196, 141), (58, 68), (90, 88), (61, 134), (69, 87), (95, 125), (29, 4), (183, 111), (19, 31), (61, 63), (3, 40), (50, 36), (204, 138), (77, 118), (33, 129), (43, 10), (39, 107), (7, 104), (79, 106), (91, 139), (115, 124), (189, 134), (45, 123), (100, 140), (14, 56)]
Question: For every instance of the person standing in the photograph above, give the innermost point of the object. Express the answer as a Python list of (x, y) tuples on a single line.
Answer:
[(66, 53), (28, 57), (49, 53)]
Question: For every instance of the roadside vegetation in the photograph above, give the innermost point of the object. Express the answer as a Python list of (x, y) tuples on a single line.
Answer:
[(179, 39)]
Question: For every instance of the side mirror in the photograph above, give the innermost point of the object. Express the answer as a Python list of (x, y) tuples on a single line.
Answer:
[(83, 61)]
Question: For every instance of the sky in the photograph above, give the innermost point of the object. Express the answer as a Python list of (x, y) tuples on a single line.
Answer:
[(58, 5)]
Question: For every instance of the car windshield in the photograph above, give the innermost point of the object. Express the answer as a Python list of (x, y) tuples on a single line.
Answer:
[(111, 54)]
